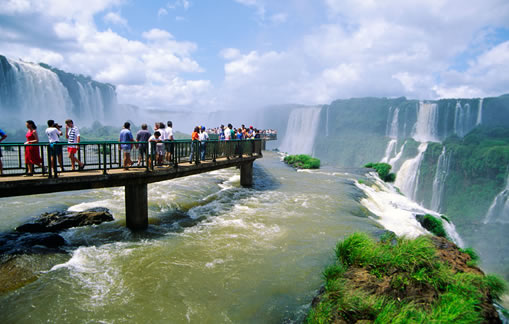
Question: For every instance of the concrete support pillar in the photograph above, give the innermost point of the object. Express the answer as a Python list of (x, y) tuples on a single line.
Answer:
[(136, 206), (246, 174)]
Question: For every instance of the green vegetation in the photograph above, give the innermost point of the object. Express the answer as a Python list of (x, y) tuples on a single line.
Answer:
[(432, 224), (383, 170), (398, 280), (302, 161)]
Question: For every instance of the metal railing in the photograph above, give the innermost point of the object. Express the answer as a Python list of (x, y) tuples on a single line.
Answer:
[(107, 155)]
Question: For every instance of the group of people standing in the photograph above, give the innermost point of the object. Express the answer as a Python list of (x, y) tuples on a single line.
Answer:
[(32, 155), (162, 136)]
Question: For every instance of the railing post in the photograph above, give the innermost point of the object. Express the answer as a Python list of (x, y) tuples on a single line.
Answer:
[(41, 149), (50, 155), (147, 156), (197, 151), (104, 158)]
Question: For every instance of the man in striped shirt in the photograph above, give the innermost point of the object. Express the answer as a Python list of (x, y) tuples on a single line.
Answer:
[(73, 137)]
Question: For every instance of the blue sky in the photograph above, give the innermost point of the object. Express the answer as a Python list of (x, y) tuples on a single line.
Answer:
[(242, 54)]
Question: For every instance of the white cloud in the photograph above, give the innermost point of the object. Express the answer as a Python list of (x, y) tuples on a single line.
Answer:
[(115, 19), (157, 34), (179, 3), (230, 53)]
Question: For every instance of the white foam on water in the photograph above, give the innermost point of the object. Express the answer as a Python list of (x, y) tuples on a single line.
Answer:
[(94, 270), (213, 264), (396, 212)]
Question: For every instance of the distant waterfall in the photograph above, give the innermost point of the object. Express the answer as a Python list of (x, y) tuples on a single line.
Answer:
[(499, 209), (479, 113), (426, 124), (439, 180), (40, 92), (301, 131), (463, 121), (392, 127), (31, 91), (327, 122), (391, 148), (408, 175)]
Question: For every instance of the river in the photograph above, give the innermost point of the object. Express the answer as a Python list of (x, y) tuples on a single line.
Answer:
[(214, 251)]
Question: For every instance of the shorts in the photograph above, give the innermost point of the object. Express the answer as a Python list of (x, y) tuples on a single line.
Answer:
[(169, 147), (56, 150), (160, 149), (72, 150), (142, 150)]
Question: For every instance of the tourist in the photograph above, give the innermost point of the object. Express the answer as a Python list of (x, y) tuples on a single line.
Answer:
[(169, 141), (195, 137), (32, 156), (239, 134), (53, 132), (228, 133), (221, 133), (72, 133), (157, 145), (203, 137), (143, 135), (126, 136), (2, 137)]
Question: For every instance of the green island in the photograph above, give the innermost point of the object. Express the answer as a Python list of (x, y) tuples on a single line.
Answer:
[(400, 280), (383, 170), (302, 161)]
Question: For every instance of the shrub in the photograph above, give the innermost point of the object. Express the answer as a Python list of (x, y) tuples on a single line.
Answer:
[(302, 161), (383, 170), (432, 224)]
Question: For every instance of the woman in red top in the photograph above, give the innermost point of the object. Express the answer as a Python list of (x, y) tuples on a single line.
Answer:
[(32, 152), (194, 137)]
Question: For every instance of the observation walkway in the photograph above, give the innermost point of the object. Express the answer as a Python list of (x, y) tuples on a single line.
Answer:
[(103, 168)]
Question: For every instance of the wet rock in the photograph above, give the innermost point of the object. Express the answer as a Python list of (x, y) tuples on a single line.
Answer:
[(20, 243), (58, 221)]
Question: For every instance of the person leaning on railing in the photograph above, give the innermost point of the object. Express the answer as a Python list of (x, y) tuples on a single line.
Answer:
[(2, 137)]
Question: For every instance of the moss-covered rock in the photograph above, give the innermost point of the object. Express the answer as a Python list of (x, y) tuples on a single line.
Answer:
[(397, 280)]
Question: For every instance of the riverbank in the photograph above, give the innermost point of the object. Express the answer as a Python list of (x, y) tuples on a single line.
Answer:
[(399, 280)]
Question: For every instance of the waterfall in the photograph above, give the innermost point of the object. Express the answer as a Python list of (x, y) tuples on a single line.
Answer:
[(426, 124), (479, 113), (408, 175), (392, 127), (463, 121), (394, 161), (33, 91), (439, 180), (391, 147), (41, 92), (301, 131), (499, 209), (327, 122)]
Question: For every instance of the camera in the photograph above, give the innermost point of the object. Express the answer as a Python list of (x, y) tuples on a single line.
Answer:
[(57, 125)]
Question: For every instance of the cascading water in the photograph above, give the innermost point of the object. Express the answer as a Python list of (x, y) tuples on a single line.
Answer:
[(327, 122), (462, 119), (391, 148), (479, 113), (392, 128), (499, 209), (426, 124), (32, 91), (40, 92), (301, 131), (439, 180), (408, 175), (394, 162)]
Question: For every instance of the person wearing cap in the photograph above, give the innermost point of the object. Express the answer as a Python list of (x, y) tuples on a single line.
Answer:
[(204, 137)]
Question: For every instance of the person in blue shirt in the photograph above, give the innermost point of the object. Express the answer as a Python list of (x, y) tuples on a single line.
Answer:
[(2, 137), (126, 136)]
